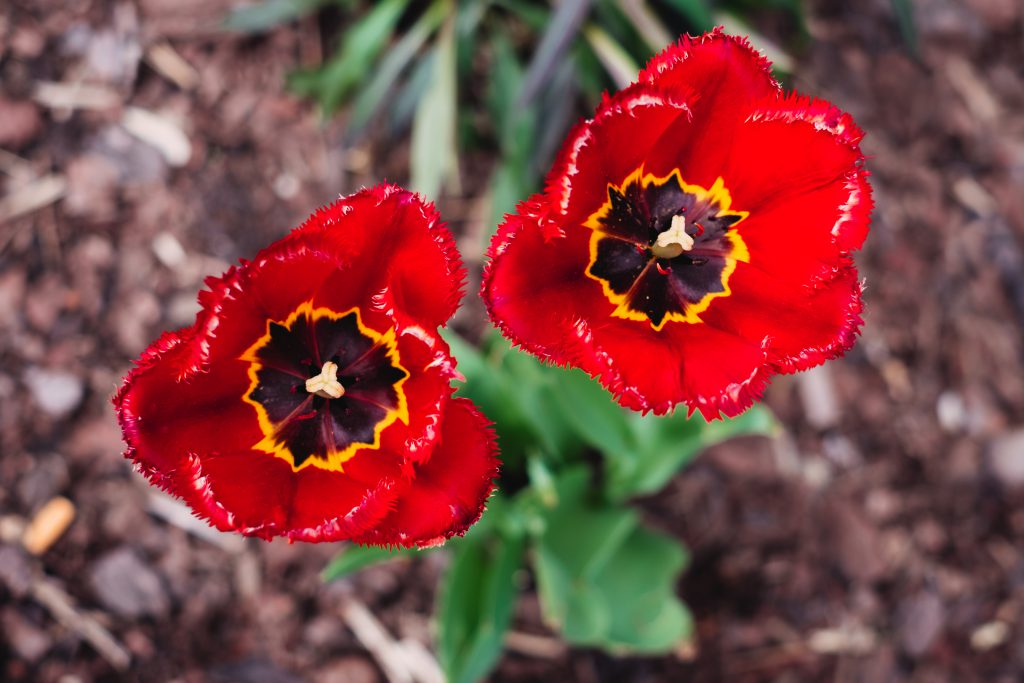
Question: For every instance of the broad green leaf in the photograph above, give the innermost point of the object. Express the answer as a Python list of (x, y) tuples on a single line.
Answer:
[(332, 83), (269, 14), (433, 157), (638, 585), (356, 557), (475, 606), (602, 579), (666, 444), (398, 57), (577, 539)]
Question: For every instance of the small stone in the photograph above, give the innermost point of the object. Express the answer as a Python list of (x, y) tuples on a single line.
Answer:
[(92, 187), (28, 641), (20, 122), (127, 586), (922, 618), (1006, 458), (56, 392), (990, 635), (15, 570), (348, 670)]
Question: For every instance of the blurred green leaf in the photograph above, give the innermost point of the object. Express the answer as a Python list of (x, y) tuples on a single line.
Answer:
[(593, 414), (359, 48), (514, 177), (559, 33), (434, 157), (398, 57), (267, 15), (904, 11), (619, 64), (646, 23), (666, 444), (475, 606), (698, 12), (356, 557)]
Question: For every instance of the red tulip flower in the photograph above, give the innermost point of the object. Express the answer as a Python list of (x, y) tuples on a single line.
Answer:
[(312, 397), (693, 237)]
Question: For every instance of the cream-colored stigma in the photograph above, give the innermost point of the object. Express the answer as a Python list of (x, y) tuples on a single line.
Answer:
[(326, 384), (673, 241)]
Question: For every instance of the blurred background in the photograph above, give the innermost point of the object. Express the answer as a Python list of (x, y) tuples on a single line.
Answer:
[(146, 144)]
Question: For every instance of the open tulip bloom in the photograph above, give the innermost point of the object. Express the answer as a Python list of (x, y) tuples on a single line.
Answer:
[(693, 237), (312, 397)]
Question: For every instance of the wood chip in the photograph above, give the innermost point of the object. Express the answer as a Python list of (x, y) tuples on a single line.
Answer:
[(172, 66), (33, 196), (48, 525), (990, 635), (532, 645), (178, 514), (160, 132), (75, 96), (402, 662), (62, 608)]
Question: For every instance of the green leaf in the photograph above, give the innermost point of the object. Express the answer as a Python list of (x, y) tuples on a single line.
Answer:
[(904, 11), (434, 158), (698, 12), (475, 606), (593, 414), (559, 32), (666, 444), (604, 580), (356, 557), (359, 49), (398, 57), (515, 391), (638, 584), (267, 15), (616, 60)]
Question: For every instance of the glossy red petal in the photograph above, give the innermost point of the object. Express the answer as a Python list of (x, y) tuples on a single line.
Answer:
[(714, 72), (594, 155), (707, 369), (804, 326), (449, 492), (533, 283)]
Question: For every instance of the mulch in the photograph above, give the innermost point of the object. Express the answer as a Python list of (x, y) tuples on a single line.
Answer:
[(878, 538)]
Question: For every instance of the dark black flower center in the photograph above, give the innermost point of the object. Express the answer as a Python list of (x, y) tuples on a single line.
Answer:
[(663, 249), (323, 386)]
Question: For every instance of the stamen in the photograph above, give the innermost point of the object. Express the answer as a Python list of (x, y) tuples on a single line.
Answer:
[(326, 384), (673, 241)]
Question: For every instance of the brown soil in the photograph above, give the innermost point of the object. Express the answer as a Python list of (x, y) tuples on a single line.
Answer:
[(878, 539)]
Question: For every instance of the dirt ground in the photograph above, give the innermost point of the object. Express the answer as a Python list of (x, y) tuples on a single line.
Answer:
[(878, 539)]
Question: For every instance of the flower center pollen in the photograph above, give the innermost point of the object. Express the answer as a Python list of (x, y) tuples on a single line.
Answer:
[(326, 384), (673, 241)]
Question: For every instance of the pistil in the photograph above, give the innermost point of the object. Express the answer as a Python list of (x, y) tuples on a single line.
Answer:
[(326, 384), (673, 241)]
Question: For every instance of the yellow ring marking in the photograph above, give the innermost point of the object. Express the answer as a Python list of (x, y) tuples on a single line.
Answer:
[(334, 460)]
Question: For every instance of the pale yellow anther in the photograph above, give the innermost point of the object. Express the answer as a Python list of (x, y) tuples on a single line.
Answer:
[(673, 241), (326, 384)]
